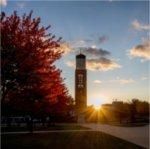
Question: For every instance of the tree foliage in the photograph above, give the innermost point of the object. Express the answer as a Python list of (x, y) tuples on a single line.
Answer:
[(30, 79)]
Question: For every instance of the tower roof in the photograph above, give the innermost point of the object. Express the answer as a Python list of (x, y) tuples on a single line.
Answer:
[(80, 55)]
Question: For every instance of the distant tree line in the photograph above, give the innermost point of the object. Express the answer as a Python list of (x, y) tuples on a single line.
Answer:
[(135, 111)]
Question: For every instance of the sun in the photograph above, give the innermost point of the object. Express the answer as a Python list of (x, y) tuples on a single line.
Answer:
[(97, 107), (97, 100)]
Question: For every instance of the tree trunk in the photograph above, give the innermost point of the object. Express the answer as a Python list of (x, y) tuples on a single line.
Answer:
[(30, 125), (4, 93)]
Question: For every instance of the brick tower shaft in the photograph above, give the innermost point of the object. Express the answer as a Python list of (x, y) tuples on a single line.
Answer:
[(80, 83)]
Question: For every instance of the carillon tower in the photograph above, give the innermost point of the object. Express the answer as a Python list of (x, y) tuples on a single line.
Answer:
[(80, 83)]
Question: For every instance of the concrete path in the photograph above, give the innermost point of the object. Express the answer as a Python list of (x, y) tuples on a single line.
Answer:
[(137, 135)]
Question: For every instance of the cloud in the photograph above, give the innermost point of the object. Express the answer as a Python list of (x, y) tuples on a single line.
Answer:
[(70, 64), (65, 48), (3, 2), (139, 26), (144, 78), (101, 64), (21, 5), (93, 51), (126, 81), (97, 60), (89, 41), (142, 50), (78, 43), (97, 81), (122, 81), (102, 39)]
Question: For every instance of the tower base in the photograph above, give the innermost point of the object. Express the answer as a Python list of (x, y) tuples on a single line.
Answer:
[(81, 118)]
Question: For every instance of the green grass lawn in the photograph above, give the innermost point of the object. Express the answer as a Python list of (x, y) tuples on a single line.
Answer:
[(65, 140), (55, 127)]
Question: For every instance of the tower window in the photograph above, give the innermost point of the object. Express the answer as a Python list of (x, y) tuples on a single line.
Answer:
[(80, 80)]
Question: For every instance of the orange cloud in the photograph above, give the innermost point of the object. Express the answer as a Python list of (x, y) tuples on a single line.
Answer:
[(65, 48), (122, 81), (97, 81), (101, 64), (71, 64), (96, 52), (142, 50), (139, 26)]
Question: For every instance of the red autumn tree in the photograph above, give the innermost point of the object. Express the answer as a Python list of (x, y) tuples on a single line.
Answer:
[(30, 80)]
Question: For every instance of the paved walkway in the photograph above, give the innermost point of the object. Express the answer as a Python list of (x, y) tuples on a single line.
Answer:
[(137, 135)]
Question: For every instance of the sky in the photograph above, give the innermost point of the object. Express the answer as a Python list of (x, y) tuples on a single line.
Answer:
[(114, 36)]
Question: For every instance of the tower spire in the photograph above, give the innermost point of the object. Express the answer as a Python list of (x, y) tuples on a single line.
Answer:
[(80, 51)]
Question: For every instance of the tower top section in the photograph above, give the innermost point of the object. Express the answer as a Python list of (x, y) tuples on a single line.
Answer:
[(81, 56), (80, 61)]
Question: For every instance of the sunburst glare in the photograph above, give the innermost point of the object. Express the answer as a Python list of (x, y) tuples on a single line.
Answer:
[(97, 107)]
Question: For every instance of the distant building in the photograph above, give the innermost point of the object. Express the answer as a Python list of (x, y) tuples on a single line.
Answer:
[(80, 86), (117, 103)]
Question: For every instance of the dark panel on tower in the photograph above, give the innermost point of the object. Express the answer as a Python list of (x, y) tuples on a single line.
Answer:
[(80, 83)]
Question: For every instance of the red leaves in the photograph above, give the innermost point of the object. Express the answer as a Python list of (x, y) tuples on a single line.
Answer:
[(36, 81)]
